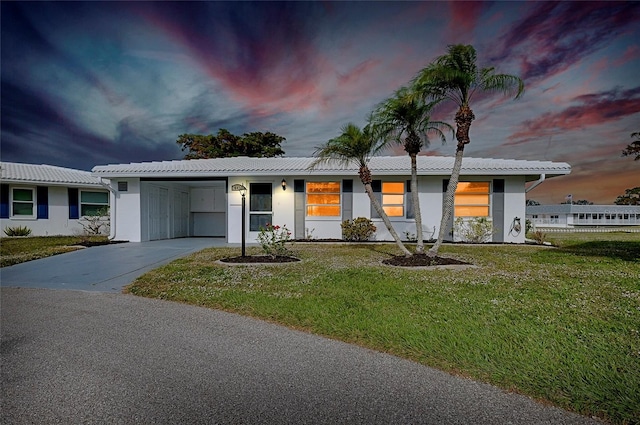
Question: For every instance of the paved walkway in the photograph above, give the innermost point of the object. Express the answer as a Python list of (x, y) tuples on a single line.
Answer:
[(106, 268)]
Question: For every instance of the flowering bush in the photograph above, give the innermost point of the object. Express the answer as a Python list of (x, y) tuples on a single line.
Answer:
[(273, 238)]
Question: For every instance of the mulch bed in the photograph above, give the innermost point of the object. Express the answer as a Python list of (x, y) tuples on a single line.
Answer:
[(261, 259), (422, 260)]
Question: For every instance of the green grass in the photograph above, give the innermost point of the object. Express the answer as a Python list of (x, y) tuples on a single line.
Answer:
[(558, 324), (19, 250)]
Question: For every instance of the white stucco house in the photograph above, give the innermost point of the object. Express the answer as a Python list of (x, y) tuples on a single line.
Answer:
[(571, 216), (191, 198), (48, 200)]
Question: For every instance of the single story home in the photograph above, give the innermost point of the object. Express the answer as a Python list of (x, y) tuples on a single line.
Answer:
[(574, 216), (173, 199), (48, 200)]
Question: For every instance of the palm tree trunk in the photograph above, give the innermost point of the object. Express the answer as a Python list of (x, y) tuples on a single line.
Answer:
[(385, 219), (447, 209), (415, 198)]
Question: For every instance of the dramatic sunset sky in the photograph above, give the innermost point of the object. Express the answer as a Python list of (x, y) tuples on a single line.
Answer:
[(94, 83)]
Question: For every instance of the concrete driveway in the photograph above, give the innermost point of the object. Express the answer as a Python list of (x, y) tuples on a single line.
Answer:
[(106, 268), (95, 358)]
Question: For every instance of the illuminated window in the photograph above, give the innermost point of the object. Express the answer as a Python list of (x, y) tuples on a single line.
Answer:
[(323, 199), (23, 201), (472, 199), (393, 198)]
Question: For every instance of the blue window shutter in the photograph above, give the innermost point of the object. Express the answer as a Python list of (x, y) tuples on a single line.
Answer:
[(409, 213), (376, 186), (74, 208), (42, 195), (4, 201)]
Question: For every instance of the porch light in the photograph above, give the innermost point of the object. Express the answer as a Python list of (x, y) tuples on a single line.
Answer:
[(284, 184)]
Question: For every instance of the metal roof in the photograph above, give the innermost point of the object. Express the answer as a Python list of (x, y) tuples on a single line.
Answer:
[(382, 165), (14, 172)]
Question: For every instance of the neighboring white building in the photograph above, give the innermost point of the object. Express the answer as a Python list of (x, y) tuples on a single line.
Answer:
[(48, 200), (172, 199), (572, 216)]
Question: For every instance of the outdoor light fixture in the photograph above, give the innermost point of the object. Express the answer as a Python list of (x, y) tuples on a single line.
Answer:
[(284, 184), (243, 191)]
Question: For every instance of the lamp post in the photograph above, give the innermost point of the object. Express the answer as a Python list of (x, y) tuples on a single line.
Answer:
[(243, 191)]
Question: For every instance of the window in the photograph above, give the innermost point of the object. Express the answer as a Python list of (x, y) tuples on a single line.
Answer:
[(260, 206), (92, 202), (472, 199), (323, 199), (22, 202), (393, 198)]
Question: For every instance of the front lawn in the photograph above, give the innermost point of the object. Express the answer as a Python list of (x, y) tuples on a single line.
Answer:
[(558, 324), (21, 249)]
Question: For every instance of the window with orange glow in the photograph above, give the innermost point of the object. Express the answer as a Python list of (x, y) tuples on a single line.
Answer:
[(472, 199), (393, 198), (323, 199)]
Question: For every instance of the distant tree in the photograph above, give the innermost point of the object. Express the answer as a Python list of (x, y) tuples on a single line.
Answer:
[(634, 147), (630, 197), (226, 144), (531, 203)]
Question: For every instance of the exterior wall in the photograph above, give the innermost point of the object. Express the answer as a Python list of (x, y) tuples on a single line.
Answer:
[(131, 208), (126, 211), (58, 222), (514, 207), (282, 202)]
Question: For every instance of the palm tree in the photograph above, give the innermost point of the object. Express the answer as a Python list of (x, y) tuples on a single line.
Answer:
[(405, 119), (455, 76), (356, 146)]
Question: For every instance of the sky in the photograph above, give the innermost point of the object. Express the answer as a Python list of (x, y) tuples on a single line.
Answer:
[(95, 83)]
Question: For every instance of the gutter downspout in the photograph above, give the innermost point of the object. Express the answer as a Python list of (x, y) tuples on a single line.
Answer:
[(536, 183), (112, 209)]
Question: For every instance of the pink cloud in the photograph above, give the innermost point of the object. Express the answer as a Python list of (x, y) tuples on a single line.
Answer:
[(632, 53), (593, 109), (555, 35), (464, 19)]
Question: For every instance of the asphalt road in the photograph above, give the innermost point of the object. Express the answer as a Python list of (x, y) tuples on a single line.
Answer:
[(74, 357)]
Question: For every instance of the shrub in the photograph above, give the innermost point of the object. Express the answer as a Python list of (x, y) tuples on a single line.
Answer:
[(17, 231), (475, 230), (273, 238), (359, 229), (539, 236), (97, 223)]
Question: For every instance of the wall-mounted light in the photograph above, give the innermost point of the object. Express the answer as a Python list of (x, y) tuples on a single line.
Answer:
[(284, 184)]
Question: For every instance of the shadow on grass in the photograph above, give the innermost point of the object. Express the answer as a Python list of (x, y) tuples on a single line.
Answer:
[(623, 250)]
